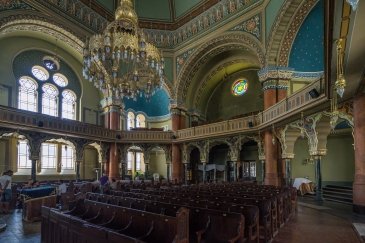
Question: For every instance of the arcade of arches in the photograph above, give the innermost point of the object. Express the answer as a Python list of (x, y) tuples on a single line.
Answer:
[(249, 95)]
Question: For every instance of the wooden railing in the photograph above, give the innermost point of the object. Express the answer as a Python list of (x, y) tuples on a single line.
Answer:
[(290, 105), (25, 120)]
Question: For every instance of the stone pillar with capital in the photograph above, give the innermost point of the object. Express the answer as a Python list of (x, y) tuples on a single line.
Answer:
[(359, 140), (113, 108), (275, 83), (318, 173)]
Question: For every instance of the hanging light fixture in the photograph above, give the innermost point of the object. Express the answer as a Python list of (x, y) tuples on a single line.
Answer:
[(340, 83), (120, 62)]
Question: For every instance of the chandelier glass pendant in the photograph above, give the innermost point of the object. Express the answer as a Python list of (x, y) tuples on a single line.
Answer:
[(120, 62)]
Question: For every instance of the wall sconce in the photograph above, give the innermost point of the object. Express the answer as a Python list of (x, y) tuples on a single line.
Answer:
[(308, 161)]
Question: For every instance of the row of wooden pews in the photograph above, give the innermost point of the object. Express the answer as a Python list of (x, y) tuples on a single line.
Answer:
[(234, 212)]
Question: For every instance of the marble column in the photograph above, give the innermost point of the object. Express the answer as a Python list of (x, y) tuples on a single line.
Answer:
[(185, 173), (168, 169), (204, 172), (177, 123), (234, 170), (275, 82), (263, 170), (319, 194), (78, 163), (34, 167), (113, 108), (359, 140), (288, 172)]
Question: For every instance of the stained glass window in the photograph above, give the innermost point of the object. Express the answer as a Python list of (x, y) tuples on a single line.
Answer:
[(239, 87), (40, 73)]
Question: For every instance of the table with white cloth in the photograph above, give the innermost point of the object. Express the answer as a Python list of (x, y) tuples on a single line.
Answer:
[(304, 185)]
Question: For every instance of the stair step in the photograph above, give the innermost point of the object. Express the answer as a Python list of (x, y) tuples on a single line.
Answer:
[(336, 189), (338, 201), (338, 198), (345, 194), (339, 187)]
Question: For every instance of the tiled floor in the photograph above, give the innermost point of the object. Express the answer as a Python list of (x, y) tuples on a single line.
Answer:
[(314, 223), (18, 231)]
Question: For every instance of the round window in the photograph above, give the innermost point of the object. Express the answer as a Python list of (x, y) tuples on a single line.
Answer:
[(239, 87)]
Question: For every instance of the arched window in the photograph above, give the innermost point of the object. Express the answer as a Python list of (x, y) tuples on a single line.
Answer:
[(60, 80), (130, 120), (67, 157), (40, 73), (49, 156), (130, 160), (28, 95), (139, 160), (50, 100), (140, 120), (23, 155), (69, 105)]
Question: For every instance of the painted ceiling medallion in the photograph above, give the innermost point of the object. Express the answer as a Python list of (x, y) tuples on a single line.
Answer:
[(239, 87)]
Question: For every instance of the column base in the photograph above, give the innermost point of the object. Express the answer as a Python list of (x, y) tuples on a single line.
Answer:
[(359, 195)]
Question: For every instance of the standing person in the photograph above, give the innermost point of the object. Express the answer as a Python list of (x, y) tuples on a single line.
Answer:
[(103, 181), (5, 182), (62, 188)]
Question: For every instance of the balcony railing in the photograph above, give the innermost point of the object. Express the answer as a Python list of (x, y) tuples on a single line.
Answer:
[(25, 120), (292, 104)]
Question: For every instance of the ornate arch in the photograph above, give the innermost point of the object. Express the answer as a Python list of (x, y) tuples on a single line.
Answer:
[(222, 43), (280, 44), (41, 25)]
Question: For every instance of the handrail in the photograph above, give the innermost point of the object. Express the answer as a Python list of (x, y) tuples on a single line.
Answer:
[(15, 118), (294, 102)]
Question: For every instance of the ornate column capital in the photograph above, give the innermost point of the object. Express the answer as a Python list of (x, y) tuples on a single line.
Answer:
[(112, 104), (275, 77)]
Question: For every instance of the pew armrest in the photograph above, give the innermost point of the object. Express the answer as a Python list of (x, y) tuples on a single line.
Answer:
[(199, 234)]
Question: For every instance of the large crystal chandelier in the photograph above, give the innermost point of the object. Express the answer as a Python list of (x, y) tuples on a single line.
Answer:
[(120, 62)]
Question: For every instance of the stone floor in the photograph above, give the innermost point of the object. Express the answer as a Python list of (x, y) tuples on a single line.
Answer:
[(313, 223)]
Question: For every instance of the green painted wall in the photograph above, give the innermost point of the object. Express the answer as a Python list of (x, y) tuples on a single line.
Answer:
[(158, 163), (271, 11), (90, 162), (337, 166), (108, 4), (156, 9), (12, 46), (182, 6), (223, 105)]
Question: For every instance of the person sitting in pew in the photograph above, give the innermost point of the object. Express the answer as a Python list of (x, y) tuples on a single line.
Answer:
[(29, 184)]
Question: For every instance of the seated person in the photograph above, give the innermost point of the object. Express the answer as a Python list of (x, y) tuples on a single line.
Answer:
[(71, 187), (28, 184), (62, 188), (113, 184), (35, 184)]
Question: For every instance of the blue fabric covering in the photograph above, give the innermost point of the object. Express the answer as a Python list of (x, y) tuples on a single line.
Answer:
[(157, 106), (42, 191), (307, 53)]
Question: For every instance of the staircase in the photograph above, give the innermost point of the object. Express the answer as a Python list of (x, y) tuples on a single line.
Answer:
[(340, 194)]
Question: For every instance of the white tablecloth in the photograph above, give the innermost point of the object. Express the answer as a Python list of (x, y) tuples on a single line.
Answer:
[(300, 181)]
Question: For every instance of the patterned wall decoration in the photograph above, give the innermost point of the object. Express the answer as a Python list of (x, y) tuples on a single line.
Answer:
[(180, 60), (12, 5), (307, 53), (161, 38), (252, 26)]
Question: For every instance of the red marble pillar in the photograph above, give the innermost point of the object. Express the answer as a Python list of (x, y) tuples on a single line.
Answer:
[(275, 85), (359, 139), (112, 122), (176, 120)]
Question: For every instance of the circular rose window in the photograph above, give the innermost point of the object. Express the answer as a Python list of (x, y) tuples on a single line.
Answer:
[(239, 87)]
